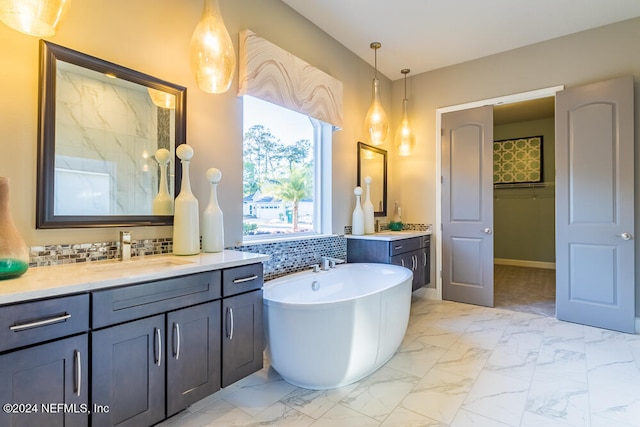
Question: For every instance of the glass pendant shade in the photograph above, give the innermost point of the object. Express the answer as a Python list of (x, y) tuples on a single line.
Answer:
[(162, 99), (34, 17), (213, 59), (376, 122), (405, 139)]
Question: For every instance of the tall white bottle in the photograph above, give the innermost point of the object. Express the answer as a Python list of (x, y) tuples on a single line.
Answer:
[(186, 225), (212, 224), (367, 207), (163, 202), (357, 219)]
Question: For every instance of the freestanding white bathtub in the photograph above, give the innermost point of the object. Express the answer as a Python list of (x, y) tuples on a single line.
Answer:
[(328, 329)]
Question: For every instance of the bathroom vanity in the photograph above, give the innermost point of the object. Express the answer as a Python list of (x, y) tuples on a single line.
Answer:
[(410, 249), (127, 343)]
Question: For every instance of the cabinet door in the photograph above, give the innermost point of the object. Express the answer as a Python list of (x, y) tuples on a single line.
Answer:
[(242, 340), (420, 276), (48, 378), (128, 373), (193, 355)]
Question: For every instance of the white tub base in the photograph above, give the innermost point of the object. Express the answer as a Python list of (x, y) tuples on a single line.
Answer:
[(341, 333)]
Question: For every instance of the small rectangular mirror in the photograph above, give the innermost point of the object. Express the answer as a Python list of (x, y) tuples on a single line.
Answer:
[(372, 162)]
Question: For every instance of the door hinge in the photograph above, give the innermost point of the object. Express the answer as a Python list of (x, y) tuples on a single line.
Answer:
[(441, 179), (441, 131)]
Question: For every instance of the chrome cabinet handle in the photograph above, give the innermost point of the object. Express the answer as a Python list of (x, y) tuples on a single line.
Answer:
[(245, 279), (397, 247), (424, 259), (402, 262), (176, 340), (230, 317), (626, 236), (78, 378), (158, 347), (19, 327), (487, 231), (414, 262)]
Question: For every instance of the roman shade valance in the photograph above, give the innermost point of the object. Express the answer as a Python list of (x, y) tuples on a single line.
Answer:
[(272, 74)]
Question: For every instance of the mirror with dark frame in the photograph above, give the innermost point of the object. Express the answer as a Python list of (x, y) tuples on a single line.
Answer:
[(100, 128), (372, 162)]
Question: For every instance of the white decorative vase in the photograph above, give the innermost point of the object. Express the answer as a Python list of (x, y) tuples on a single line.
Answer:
[(186, 225), (367, 207), (212, 224), (163, 202), (357, 219)]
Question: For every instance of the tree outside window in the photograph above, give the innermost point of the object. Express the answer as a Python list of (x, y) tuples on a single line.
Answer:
[(278, 170)]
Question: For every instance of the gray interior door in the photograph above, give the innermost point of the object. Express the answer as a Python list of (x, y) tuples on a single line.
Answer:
[(467, 206), (595, 205)]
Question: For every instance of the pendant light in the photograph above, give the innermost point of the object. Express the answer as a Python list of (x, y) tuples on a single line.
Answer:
[(213, 59), (376, 122), (33, 17), (405, 139)]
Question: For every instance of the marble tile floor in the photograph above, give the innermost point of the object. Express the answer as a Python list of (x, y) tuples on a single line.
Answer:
[(459, 365)]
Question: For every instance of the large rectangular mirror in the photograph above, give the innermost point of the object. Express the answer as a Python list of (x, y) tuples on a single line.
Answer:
[(372, 162), (100, 128)]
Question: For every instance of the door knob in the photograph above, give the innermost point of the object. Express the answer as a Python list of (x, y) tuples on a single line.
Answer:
[(626, 236), (487, 231)]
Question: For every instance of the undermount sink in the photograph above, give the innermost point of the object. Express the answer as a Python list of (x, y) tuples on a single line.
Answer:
[(138, 265)]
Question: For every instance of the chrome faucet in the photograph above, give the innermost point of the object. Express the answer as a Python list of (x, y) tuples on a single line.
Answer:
[(327, 262), (125, 245)]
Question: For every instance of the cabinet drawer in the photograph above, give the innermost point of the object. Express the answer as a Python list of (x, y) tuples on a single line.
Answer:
[(405, 245), (237, 280), (32, 322), (146, 299)]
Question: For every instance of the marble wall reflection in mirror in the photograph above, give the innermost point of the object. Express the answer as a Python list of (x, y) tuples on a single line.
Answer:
[(372, 161), (100, 127)]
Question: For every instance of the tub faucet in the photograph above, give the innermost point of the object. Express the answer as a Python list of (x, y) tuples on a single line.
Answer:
[(327, 262), (125, 245)]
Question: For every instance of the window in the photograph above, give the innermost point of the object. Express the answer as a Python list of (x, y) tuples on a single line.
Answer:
[(285, 189)]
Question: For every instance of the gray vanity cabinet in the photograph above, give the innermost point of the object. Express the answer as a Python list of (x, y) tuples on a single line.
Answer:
[(242, 339), (44, 362), (173, 356), (412, 253)]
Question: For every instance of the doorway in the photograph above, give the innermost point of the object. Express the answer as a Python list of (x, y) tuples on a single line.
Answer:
[(493, 102), (594, 203), (524, 206)]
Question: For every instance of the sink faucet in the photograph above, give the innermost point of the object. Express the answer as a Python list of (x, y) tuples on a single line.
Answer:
[(125, 245), (327, 262)]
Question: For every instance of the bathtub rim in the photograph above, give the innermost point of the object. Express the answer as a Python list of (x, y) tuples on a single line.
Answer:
[(405, 275)]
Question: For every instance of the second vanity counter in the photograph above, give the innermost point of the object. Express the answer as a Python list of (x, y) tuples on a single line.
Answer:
[(390, 236), (46, 282)]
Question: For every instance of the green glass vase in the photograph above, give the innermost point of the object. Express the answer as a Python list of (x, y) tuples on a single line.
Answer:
[(14, 253)]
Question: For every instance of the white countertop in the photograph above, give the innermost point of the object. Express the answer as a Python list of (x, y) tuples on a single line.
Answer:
[(43, 282), (390, 235)]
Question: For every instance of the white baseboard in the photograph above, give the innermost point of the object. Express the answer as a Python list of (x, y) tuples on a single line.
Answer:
[(637, 325), (525, 263)]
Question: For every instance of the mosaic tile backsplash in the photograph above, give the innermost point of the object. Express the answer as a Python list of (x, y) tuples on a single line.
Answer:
[(287, 256)]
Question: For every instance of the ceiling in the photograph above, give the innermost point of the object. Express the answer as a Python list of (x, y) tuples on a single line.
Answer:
[(424, 35)]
